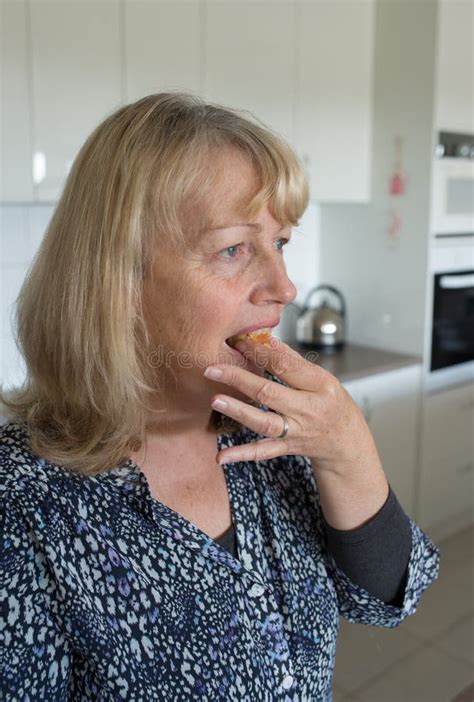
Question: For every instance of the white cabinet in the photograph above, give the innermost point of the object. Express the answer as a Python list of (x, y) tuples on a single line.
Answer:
[(390, 403), (16, 184), (333, 111), (302, 68), (162, 47), (455, 66), (305, 69), (248, 48), (76, 81), (447, 456)]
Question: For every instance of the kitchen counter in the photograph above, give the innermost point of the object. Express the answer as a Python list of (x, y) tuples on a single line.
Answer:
[(354, 361)]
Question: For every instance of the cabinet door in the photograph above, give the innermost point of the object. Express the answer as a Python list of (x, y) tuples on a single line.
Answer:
[(390, 403), (447, 455), (248, 49), (76, 55), (333, 111), (16, 184), (162, 47), (455, 70)]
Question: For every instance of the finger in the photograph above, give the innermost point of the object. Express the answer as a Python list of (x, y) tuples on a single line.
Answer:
[(252, 366), (242, 362), (256, 451), (268, 424), (281, 360), (260, 389)]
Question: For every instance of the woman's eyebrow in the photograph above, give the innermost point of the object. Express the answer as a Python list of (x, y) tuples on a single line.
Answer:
[(254, 225)]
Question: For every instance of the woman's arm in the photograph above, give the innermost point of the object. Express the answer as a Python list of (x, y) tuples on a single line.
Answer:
[(376, 555)]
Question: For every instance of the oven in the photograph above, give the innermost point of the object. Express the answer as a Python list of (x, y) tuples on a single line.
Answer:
[(449, 357), (452, 337)]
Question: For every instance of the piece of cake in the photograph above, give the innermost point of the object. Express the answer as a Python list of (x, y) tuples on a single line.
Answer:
[(261, 336)]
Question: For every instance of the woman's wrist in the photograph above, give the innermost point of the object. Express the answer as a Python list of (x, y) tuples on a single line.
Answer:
[(351, 499)]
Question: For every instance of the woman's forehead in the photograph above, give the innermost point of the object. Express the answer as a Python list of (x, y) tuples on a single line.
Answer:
[(229, 199), (222, 196)]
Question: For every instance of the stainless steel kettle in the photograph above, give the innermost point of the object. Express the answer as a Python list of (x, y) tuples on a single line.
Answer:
[(322, 327)]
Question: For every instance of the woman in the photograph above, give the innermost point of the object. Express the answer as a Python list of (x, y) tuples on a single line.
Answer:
[(158, 544)]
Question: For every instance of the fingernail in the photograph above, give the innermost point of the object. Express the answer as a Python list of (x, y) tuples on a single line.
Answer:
[(219, 404), (213, 373)]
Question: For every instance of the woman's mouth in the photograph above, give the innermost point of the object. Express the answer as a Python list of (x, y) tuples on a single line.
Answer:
[(261, 336)]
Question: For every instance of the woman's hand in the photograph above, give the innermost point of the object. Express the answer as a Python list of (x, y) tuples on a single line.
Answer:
[(324, 422)]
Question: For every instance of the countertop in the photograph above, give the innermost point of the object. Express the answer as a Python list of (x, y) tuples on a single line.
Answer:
[(354, 361)]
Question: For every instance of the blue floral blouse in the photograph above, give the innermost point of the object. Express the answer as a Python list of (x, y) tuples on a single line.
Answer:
[(108, 594)]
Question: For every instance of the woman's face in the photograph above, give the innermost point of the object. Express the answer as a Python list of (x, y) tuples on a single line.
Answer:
[(231, 277)]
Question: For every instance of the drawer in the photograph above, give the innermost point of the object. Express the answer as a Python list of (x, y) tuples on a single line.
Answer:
[(448, 425), (446, 488)]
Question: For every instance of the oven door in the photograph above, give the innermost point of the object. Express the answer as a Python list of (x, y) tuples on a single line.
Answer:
[(453, 201), (453, 319)]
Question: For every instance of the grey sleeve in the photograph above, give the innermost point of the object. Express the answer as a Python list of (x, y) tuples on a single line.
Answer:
[(375, 556)]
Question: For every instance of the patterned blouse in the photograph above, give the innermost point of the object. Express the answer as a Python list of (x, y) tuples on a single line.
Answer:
[(108, 594)]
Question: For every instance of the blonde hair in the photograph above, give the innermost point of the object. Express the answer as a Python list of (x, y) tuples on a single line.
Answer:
[(79, 321)]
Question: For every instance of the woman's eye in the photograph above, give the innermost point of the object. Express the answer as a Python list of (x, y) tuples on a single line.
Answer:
[(285, 242), (233, 249)]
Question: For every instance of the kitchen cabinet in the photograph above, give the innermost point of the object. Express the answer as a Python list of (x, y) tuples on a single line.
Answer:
[(455, 67), (248, 59), (76, 81), (333, 111), (305, 69), (447, 458), (302, 68), (16, 184), (154, 32), (390, 404)]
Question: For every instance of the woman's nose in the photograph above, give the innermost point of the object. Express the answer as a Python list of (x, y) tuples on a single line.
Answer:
[(274, 284)]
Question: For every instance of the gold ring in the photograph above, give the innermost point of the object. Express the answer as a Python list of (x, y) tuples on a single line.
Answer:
[(285, 427)]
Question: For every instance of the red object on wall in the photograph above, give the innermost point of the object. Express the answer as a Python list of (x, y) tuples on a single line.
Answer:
[(397, 183)]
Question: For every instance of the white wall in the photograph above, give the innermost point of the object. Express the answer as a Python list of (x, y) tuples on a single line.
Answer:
[(383, 280)]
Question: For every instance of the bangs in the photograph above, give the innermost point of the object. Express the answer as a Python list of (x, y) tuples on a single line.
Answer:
[(283, 184)]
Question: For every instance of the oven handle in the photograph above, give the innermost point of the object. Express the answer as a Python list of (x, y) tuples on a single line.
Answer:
[(456, 281)]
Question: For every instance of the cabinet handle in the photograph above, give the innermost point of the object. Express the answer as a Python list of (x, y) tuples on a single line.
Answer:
[(465, 469), (366, 408)]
